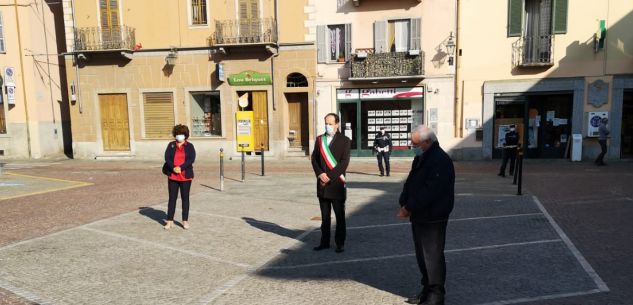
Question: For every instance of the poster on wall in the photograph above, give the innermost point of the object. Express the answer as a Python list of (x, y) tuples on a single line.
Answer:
[(371, 121), (387, 120), (503, 129), (371, 113), (379, 113), (403, 135), (371, 128), (387, 112), (379, 121), (395, 112)]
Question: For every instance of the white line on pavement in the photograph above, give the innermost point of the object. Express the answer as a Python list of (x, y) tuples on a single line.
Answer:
[(24, 294), (544, 297), (368, 259), (162, 246), (258, 266), (602, 286), (450, 220)]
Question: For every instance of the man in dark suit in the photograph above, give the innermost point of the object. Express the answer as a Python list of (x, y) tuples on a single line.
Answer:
[(510, 147), (383, 147), (329, 161), (427, 200)]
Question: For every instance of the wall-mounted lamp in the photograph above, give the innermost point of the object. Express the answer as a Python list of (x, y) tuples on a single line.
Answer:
[(171, 57), (450, 49)]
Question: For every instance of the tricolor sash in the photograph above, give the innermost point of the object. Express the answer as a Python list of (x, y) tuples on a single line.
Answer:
[(327, 156)]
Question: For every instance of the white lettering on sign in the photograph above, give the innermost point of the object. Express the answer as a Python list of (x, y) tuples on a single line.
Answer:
[(244, 127), (392, 93), (347, 94)]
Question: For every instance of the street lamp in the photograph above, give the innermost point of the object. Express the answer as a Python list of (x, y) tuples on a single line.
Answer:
[(171, 57), (450, 49)]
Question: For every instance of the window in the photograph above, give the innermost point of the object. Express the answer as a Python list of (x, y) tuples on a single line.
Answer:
[(199, 12), (334, 43), (158, 112), (296, 80), (401, 35), (398, 35), (537, 17), (2, 49), (206, 114)]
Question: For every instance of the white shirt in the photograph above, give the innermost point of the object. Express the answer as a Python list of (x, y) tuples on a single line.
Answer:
[(328, 138)]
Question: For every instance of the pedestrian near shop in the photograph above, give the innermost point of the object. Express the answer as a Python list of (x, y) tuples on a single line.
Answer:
[(330, 159), (510, 147), (603, 135), (427, 200), (383, 147), (179, 157)]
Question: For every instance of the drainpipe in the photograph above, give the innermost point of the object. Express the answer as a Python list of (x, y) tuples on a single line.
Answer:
[(459, 102), (48, 65), (76, 60), (26, 104)]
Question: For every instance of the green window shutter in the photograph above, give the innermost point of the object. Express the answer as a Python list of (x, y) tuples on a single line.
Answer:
[(515, 18), (559, 17)]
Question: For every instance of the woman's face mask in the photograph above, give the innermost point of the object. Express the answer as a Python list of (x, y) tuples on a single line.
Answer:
[(180, 138)]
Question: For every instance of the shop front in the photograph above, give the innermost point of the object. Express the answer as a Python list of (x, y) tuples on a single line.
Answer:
[(364, 111)]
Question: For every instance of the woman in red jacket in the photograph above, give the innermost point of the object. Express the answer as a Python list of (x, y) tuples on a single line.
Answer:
[(179, 158)]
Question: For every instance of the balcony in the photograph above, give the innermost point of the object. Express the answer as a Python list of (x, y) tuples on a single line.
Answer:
[(244, 32), (341, 3), (98, 39), (379, 66), (533, 51)]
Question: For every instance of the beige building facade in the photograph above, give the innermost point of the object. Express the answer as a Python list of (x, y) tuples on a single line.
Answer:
[(34, 121), (551, 67), (386, 64), (138, 67)]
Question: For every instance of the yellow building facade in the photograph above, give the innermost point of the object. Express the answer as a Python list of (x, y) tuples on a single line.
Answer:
[(34, 120), (138, 67), (551, 67)]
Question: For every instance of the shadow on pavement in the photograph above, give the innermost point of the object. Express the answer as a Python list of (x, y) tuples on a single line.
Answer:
[(272, 228), (157, 215)]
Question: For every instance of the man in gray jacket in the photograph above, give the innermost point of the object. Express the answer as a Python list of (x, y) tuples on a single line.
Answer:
[(602, 139)]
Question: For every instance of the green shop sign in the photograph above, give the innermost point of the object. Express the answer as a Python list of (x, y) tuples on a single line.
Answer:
[(250, 78)]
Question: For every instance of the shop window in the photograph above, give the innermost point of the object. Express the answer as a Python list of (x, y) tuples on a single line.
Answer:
[(206, 114), (296, 80), (158, 114), (198, 12), (395, 117)]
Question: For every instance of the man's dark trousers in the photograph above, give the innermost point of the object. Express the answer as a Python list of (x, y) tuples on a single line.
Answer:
[(339, 211), (508, 153), (383, 155), (603, 151), (429, 239)]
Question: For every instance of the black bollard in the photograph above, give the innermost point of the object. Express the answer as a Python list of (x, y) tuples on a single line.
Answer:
[(262, 152), (515, 170), (221, 169), (520, 160)]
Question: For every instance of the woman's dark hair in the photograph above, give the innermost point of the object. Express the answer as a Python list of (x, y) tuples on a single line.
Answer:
[(180, 129)]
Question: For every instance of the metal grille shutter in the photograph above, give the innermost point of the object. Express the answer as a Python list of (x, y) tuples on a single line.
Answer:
[(158, 110)]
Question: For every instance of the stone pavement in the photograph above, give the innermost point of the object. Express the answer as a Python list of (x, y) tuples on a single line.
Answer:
[(252, 244)]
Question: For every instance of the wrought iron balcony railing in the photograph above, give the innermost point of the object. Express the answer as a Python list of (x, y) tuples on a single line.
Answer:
[(533, 51), (103, 39), (244, 31), (387, 65)]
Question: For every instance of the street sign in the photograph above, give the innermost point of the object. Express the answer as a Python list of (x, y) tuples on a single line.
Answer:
[(11, 95), (9, 76), (245, 137)]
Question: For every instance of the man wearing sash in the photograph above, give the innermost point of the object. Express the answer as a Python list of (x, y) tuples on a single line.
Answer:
[(329, 161)]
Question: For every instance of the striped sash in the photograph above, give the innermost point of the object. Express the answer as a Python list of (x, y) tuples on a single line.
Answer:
[(327, 155)]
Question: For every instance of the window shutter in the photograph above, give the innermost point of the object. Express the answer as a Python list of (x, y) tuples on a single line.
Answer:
[(416, 34), (321, 44), (2, 49), (380, 37), (515, 17), (158, 109), (348, 41), (559, 17)]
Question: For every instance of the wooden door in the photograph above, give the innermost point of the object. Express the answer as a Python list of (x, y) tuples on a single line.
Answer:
[(260, 115), (250, 22), (115, 129), (110, 24), (294, 122), (298, 119)]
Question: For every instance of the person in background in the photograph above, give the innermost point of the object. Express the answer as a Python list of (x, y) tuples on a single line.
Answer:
[(383, 147), (603, 134), (509, 151), (179, 157)]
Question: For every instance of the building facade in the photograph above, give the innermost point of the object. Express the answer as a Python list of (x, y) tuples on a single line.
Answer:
[(141, 66), (386, 64), (34, 121), (551, 67)]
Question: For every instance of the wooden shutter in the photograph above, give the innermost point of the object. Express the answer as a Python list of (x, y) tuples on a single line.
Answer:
[(321, 44), (158, 109), (515, 17), (559, 16), (380, 37), (416, 34), (348, 41)]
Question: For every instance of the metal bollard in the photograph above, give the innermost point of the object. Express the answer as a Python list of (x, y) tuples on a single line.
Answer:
[(515, 170), (221, 169), (243, 165), (520, 160), (262, 152)]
